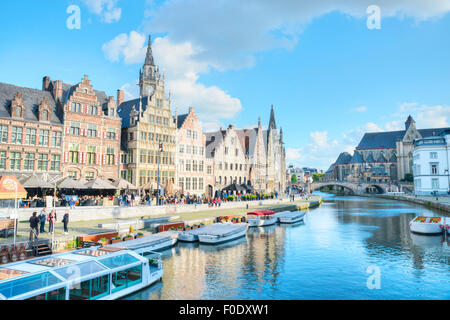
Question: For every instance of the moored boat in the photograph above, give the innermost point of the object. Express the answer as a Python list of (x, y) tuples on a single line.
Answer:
[(427, 225), (261, 218), (86, 274), (290, 217), (223, 232)]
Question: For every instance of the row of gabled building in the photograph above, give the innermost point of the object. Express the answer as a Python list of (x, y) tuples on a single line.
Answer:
[(76, 131)]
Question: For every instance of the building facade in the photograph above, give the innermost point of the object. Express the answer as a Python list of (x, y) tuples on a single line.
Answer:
[(191, 156), (31, 130), (149, 131), (92, 128), (431, 164)]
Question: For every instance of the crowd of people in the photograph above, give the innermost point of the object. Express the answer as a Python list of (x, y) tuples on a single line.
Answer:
[(37, 222)]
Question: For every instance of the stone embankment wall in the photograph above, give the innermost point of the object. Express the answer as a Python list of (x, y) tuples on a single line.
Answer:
[(431, 203)]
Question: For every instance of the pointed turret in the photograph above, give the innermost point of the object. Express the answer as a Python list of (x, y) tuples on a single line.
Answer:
[(409, 122), (149, 57), (272, 124)]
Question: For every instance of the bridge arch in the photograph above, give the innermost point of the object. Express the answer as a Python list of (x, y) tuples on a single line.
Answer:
[(319, 185)]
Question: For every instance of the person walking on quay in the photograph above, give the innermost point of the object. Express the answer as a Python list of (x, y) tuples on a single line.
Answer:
[(52, 221), (34, 231), (42, 219), (66, 222)]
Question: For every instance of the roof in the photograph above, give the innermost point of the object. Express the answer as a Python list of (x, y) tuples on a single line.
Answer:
[(357, 158), (387, 140), (32, 99), (213, 141), (180, 119), (343, 158), (69, 89), (125, 108)]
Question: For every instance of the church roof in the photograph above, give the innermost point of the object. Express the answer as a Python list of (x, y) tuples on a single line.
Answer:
[(272, 123), (387, 140), (32, 99), (378, 171), (343, 158), (149, 56), (393, 158), (370, 158), (382, 158), (357, 158)]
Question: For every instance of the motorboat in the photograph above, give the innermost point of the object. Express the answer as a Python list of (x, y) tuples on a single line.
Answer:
[(427, 225), (290, 217), (192, 235), (88, 274), (223, 232), (261, 218)]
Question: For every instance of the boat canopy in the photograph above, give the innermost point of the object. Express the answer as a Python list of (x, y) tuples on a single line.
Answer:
[(33, 277), (261, 213)]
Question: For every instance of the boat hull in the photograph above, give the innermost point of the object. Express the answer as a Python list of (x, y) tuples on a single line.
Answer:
[(426, 228), (211, 239), (255, 222), (291, 220)]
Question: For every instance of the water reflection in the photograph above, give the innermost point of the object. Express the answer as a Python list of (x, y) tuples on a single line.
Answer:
[(326, 257)]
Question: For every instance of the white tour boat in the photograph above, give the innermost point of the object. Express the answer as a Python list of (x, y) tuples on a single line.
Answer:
[(192, 235), (290, 217), (86, 274), (261, 218), (223, 232), (154, 242), (427, 225)]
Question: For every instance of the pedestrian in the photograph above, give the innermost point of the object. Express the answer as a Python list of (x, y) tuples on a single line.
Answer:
[(34, 231), (52, 221), (66, 222), (42, 219)]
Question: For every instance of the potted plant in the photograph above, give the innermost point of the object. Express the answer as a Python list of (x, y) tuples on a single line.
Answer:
[(187, 228), (201, 225), (194, 226), (180, 228), (103, 241), (128, 237), (116, 240), (139, 235), (172, 228)]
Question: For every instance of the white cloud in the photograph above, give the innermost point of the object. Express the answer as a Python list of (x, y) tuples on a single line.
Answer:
[(361, 109), (106, 9), (425, 116), (129, 47)]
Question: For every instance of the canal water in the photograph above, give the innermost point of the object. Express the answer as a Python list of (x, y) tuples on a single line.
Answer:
[(349, 248)]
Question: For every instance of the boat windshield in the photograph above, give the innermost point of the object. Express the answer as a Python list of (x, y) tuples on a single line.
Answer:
[(80, 270), (118, 261)]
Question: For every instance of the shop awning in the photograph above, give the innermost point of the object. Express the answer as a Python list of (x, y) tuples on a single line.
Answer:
[(99, 184), (8, 188), (124, 185), (36, 183), (69, 183)]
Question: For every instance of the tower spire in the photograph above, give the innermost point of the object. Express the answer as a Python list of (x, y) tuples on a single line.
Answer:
[(149, 57), (272, 124)]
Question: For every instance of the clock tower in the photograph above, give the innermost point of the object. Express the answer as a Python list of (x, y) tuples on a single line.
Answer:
[(149, 76)]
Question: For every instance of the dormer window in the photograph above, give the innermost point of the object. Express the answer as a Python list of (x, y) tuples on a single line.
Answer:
[(17, 106), (44, 115), (111, 112), (17, 112)]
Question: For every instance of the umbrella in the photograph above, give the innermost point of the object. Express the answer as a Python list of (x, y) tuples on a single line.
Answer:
[(69, 183), (124, 184), (99, 184), (151, 185), (234, 187), (36, 182)]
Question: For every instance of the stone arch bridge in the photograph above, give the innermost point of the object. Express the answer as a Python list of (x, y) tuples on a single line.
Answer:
[(356, 188)]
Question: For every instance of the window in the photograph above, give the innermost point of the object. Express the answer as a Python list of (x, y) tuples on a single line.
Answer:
[(110, 157), (90, 289), (434, 168), (43, 138), (16, 135), (93, 110), (90, 155), (188, 165), (200, 183), (3, 134), (188, 183), (75, 107), (201, 151), (209, 170), (43, 162), (194, 150), (194, 166), (435, 184), (30, 138), (159, 103), (72, 175), (29, 161), (194, 184), (73, 153), (200, 166), (111, 134), (45, 115), (56, 139), (89, 176), (55, 162), (58, 294), (433, 155), (2, 159), (181, 148), (189, 149), (226, 150), (189, 134), (92, 131), (75, 129), (143, 156), (18, 112), (194, 135), (237, 152), (15, 160)]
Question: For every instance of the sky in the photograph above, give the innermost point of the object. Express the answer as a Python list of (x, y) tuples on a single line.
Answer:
[(330, 75)]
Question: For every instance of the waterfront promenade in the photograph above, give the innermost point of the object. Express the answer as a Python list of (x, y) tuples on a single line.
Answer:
[(439, 202), (86, 220)]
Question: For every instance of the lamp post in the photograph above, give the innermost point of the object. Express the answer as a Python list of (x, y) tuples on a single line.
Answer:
[(160, 149)]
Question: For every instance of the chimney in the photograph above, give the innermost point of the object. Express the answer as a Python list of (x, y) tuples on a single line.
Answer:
[(57, 89), (120, 97), (45, 83)]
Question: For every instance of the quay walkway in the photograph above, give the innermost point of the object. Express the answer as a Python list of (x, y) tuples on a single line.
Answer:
[(436, 202)]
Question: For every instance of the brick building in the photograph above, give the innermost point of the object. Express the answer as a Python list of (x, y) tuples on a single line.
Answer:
[(91, 136), (31, 128)]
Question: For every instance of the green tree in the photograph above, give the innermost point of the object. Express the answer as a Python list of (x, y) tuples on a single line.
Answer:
[(317, 176), (294, 178)]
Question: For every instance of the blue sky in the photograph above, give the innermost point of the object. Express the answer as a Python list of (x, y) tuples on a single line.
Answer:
[(329, 77)]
